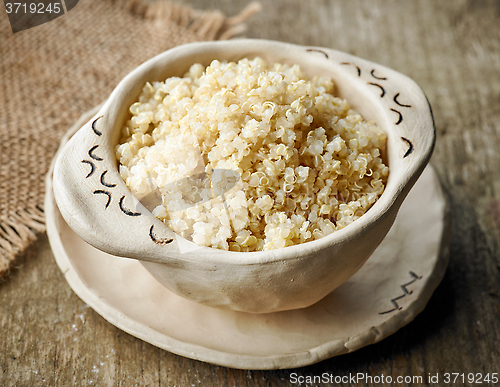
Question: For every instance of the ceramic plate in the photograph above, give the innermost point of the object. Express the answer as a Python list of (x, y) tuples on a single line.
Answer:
[(387, 293)]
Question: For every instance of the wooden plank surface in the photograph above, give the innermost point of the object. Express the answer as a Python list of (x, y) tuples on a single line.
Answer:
[(48, 337)]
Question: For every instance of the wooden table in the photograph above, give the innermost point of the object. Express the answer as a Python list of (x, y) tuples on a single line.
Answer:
[(49, 337)]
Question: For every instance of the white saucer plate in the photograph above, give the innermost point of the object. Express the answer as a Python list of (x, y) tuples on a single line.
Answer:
[(387, 293)]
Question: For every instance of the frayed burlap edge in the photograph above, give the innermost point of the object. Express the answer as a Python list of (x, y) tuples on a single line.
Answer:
[(207, 25), (20, 228), (17, 231)]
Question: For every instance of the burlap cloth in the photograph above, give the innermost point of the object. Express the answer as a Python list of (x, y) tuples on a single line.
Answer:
[(51, 74)]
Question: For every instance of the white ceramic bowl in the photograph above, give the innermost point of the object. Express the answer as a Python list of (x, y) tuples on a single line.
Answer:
[(99, 207)]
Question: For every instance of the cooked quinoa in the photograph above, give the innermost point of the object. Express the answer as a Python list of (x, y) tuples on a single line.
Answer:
[(247, 156)]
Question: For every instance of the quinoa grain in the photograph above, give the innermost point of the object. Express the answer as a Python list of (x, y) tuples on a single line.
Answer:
[(249, 157)]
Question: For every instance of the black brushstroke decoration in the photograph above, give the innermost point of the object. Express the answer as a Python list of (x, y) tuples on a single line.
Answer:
[(400, 119), (406, 292), (410, 147), (104, 183), (380, 87), (100, 191), (158, 241), (94, 128), (352, 64), (400, 104), (379, 78), (92, 165), (91, 153), (125, 210), (314, 50)]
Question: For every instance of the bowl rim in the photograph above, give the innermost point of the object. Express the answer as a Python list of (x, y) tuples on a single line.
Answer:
[(394, 192)]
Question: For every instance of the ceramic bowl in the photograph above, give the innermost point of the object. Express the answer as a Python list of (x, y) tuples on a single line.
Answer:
[(98, 206)]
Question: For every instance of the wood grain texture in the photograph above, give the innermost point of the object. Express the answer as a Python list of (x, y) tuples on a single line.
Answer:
[(48, 337)]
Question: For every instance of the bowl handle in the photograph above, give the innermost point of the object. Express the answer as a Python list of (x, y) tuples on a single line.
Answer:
[(99, 207)]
